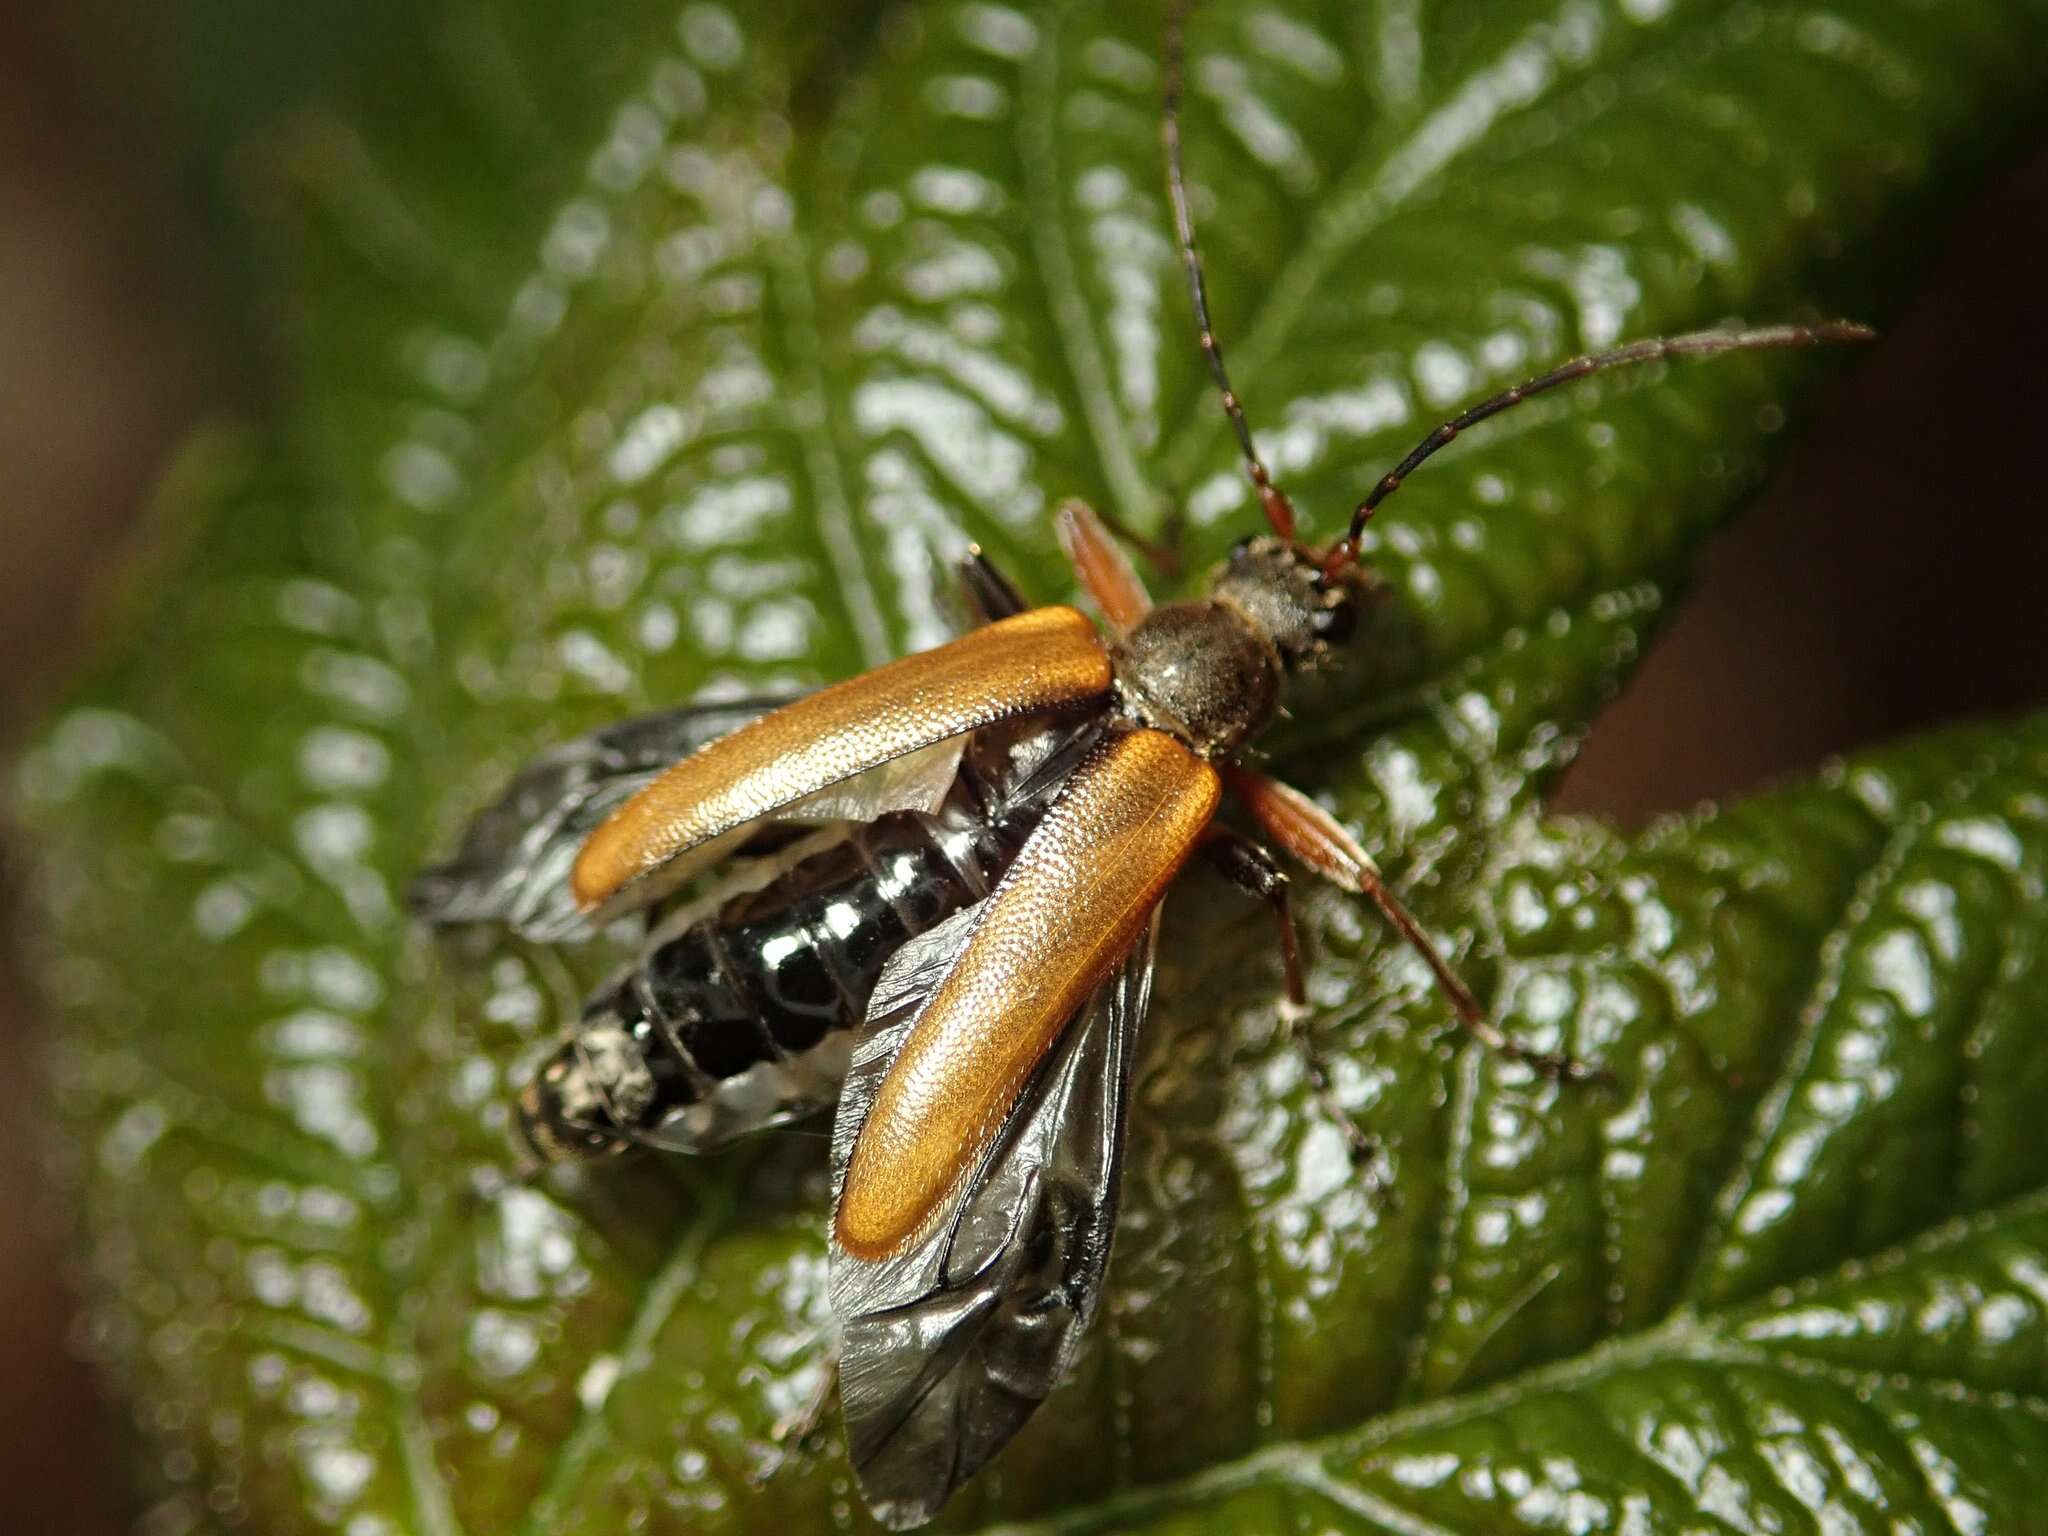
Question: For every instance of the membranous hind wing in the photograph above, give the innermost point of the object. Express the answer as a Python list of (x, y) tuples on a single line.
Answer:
[(978, 1136), (513, 866), (947, 1348), (833, 746), (514, 860)]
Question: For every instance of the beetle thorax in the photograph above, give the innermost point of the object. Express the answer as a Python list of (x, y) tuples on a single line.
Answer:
[(1209, 672), (1199, 671)]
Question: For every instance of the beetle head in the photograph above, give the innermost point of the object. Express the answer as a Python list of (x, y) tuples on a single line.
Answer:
[(1287, 596)]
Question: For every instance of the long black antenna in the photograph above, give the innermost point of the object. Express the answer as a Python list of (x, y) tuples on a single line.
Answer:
[(1279, 511), (1692, 344)]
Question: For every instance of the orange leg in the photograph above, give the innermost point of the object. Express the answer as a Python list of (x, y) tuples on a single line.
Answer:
[(1164, 551), (1313, 836), (1102, 566)]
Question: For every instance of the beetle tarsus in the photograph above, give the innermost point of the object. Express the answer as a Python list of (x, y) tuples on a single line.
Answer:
[(1368, 1155), (1471, 1017), (1556, 1065)]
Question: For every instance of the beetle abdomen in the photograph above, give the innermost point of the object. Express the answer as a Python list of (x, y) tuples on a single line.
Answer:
[(742, 1017), (755, 1007)]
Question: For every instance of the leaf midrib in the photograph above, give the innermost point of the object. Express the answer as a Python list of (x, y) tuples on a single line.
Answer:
[(1685, 1335)]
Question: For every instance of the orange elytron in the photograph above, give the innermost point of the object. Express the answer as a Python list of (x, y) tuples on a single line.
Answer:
[(1021, 665), (1059, 922)]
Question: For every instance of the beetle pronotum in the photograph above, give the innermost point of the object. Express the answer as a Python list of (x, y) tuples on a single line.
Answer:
[(962, 954)]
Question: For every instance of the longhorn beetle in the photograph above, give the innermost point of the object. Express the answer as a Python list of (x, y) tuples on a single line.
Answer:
[(960, 948)]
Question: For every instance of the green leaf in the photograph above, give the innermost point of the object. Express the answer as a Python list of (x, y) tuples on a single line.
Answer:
[(629, 351)]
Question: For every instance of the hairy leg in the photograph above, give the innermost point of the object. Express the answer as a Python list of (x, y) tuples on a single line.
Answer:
[(1312, 835), (1103, 568)]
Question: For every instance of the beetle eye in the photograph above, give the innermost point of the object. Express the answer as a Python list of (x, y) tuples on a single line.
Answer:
[(1335, 623)]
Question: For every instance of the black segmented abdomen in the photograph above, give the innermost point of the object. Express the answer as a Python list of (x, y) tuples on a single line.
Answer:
[(743, 1017)]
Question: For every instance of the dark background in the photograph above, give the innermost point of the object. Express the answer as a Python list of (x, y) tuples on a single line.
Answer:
[(1891, 577)]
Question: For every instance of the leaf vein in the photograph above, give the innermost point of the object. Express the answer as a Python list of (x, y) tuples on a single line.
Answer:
[(1518, 78), (809, 416), (663, 1293), (1038, 152), (1830, 978)]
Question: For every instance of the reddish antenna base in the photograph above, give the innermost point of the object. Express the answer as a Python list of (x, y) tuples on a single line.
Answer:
[(1278, 509)]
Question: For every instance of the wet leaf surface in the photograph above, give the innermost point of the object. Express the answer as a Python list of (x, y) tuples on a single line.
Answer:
[(637, 354)]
